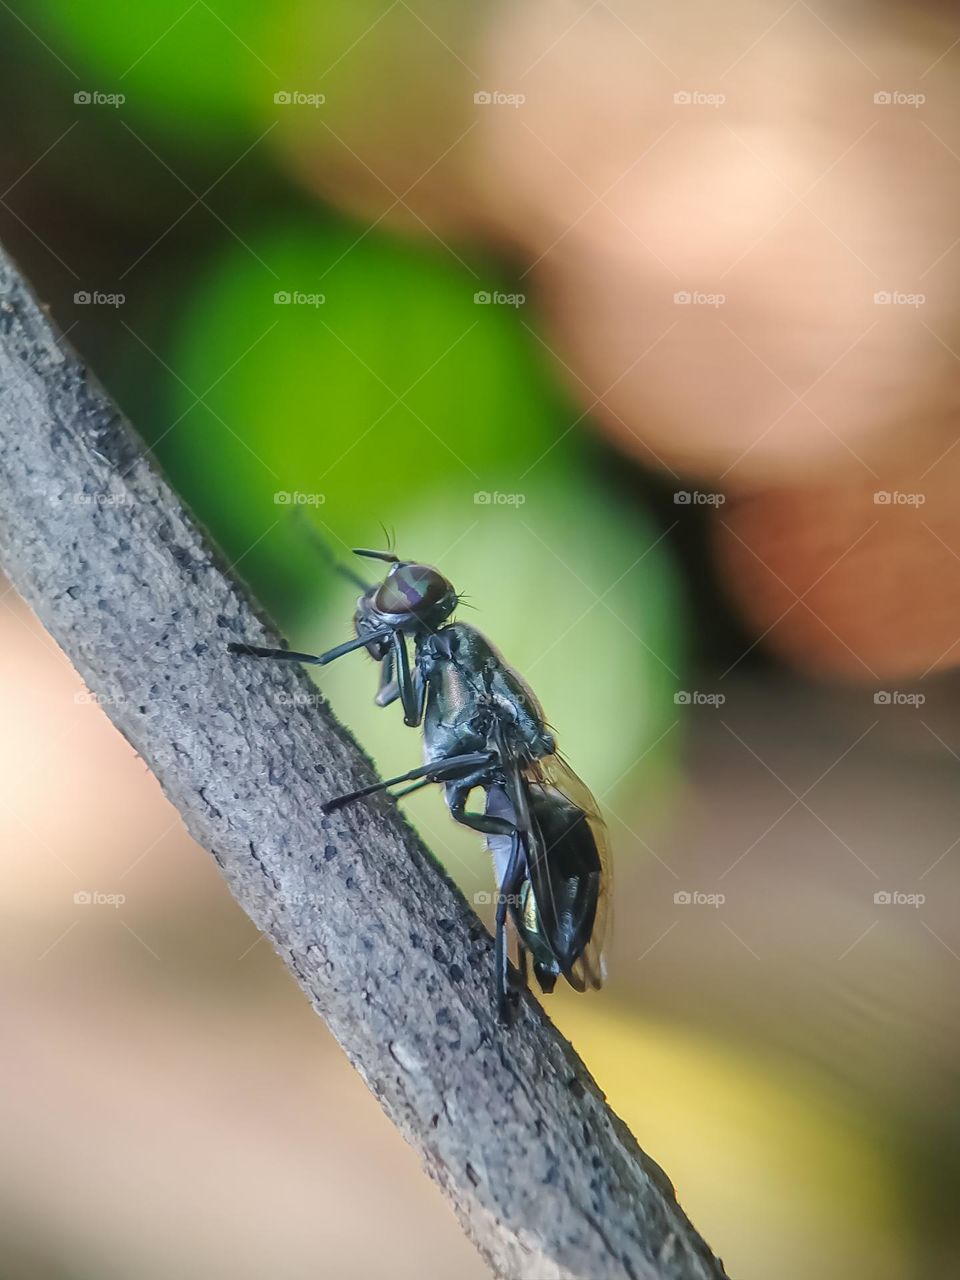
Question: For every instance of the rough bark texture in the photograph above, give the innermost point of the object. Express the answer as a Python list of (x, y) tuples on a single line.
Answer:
[(546, 1181)]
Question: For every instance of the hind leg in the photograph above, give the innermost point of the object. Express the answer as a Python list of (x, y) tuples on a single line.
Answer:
[(508, 994)]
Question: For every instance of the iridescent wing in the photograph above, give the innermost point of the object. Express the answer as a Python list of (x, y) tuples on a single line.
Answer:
[(553, 774)]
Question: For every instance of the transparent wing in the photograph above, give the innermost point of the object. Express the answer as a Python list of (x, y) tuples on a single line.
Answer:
[(553, 771)]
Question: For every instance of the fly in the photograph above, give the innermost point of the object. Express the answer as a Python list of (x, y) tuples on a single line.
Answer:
[(483, 729)]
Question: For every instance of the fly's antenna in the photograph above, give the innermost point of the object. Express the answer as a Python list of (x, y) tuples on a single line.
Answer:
[(388, 556), (323, 546)]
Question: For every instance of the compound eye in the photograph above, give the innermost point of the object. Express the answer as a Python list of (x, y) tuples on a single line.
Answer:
[(411, 588)]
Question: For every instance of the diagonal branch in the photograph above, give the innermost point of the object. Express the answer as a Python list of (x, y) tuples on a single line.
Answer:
[(545, 1180)]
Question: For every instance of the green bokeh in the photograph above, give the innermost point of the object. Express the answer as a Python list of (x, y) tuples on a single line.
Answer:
[(200, 71)]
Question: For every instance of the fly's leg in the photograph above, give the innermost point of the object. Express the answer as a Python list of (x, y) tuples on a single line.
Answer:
[(507, 995), (457, 793), (317, 659), (414, 786), (437, 771), (388, 690), (488, 825), (408, 693), (522, 967)]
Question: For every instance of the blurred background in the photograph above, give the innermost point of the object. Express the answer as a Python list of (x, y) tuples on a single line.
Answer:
[(641, 322)]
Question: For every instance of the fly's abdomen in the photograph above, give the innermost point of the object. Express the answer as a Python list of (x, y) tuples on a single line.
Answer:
[(566, 887)]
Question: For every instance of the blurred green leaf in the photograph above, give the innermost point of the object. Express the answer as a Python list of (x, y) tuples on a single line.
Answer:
[(199, 70)]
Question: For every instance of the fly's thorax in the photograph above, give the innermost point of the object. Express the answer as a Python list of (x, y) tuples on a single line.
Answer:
[(493, 684)]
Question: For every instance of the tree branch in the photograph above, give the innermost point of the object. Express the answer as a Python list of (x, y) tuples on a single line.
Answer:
[(546, 1181)]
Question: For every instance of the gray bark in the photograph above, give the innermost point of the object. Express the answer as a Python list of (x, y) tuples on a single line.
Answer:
[(545, 1179)]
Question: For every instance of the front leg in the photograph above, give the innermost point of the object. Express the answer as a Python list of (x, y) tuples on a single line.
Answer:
[(408, 694), (316, 659), (388, 690)]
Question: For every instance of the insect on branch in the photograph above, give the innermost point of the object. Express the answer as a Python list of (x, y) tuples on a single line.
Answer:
[(544, 1178)]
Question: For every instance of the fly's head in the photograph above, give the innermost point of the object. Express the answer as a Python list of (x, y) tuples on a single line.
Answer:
[(412, 597)]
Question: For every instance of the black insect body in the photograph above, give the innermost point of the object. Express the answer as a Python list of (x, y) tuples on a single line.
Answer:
[(483, 729)]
